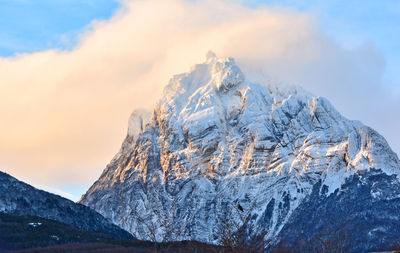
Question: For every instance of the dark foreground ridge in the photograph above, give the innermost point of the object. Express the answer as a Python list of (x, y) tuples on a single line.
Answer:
[(19, 198), (30, 234), (136, 247), (26, 232)]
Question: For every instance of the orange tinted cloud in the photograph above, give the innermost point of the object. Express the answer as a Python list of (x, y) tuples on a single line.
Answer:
[(64, 113)]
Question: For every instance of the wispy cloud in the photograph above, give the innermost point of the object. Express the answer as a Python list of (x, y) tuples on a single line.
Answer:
[(64, 114)]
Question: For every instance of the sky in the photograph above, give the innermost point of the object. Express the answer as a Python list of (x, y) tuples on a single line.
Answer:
[(30, 26), (71, 72)]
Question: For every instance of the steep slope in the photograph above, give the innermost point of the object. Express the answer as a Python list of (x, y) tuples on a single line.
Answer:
[(216, 141), (19, 198), (361, 216)]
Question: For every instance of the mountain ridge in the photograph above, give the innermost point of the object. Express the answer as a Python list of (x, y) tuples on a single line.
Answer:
[(216, 140), (20, 198)]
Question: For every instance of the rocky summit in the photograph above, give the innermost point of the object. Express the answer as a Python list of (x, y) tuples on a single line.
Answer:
[(218, 147)]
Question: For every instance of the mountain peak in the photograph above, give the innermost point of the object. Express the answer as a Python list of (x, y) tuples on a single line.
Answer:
[(226, 74), (210, 56), (220, 74), (218, 140)]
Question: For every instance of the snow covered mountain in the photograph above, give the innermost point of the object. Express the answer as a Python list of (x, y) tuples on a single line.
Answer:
[(216, 142), (19, 198)]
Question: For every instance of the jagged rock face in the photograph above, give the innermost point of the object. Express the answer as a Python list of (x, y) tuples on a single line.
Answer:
[(361, 216), (217, 140), (19, 198)]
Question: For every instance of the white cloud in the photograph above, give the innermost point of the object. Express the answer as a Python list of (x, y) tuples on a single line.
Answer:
[(64, 114)]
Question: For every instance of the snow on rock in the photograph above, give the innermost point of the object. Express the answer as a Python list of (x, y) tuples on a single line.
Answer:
[(34, 224), (216, 140)]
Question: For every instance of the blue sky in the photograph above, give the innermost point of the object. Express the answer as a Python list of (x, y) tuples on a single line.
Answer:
[(28, 26)]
